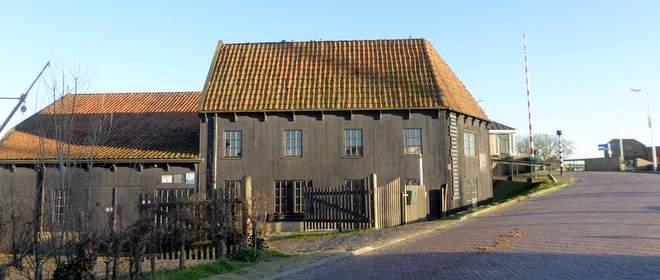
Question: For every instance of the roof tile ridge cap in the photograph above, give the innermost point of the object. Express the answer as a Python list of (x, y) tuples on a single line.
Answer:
[(321, 41), (204, 93), (426, 48), (134, 92)]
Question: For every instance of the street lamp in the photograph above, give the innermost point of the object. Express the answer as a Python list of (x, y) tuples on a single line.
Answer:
[(648, 103), (561, 159)]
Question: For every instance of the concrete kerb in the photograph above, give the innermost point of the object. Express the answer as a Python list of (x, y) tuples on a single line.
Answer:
[(367, 249)]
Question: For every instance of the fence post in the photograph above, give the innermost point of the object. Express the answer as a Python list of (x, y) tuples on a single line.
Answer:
[(246, 193), (373, 182)]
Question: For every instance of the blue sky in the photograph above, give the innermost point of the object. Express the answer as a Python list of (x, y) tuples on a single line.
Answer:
[(584, 55)]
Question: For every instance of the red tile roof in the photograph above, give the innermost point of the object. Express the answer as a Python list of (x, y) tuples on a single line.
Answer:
[(109, 126), (333, 75)]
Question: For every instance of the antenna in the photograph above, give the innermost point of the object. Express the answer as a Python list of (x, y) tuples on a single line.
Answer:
[(21, 100), (529, 98)]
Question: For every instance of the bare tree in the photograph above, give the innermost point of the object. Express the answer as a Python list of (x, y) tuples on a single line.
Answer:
[(547, 146)]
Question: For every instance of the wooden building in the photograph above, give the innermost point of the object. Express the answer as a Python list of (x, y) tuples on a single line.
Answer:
[(98, 155), (328, 113)]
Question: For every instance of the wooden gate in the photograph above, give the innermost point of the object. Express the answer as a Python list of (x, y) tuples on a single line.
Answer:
[(416, 203), (388, 204), (340, 207), (397, 204)]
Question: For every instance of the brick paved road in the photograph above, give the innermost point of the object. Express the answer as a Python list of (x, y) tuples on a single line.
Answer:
[(606, 226)]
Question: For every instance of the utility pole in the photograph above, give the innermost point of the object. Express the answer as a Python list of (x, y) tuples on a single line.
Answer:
[(529, 99), (650, 120), (22, 98), (622, 159)]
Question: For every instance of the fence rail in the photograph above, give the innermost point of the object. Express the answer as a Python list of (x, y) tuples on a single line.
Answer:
[(518, 170)]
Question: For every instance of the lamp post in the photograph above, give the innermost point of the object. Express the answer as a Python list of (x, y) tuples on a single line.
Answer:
[(561, 159), (648, 103)]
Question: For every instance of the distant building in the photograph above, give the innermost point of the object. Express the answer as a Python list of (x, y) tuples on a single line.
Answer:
[(632, 149)]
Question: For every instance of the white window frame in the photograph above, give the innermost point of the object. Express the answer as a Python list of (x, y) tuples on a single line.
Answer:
[(353, 142), (293, 143), (407, 139), (233, 143), (469, 145)]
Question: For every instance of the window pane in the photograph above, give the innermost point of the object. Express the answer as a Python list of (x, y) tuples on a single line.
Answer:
[(469, 147), (353, 142), (412, 141), (293, 143), (233, 143)]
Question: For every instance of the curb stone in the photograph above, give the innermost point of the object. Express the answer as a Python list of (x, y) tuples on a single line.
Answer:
[(367, 249)]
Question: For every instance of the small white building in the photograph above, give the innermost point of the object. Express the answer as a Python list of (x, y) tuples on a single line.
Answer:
[(502, 141)]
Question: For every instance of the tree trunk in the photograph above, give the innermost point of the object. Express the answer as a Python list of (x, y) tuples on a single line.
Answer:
[(182, 255), (222, 249)]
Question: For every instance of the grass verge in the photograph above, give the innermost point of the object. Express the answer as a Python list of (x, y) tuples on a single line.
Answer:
[(508, 190), (217, 267), (308, 235)]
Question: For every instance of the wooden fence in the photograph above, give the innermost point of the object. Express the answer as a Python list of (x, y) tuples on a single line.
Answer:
[(339, 207), (360, 206), (203, 252)]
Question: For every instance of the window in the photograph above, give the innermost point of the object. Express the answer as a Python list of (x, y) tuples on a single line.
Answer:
[(356, 183), (166, 179), (178, 179), (293, 143), (289, 196), (412, 141), (190, 178), (231, 189), (469, 144), (353, 142), (165, 197), (504, 144), (59, 200), (233, 143), (471, 187)]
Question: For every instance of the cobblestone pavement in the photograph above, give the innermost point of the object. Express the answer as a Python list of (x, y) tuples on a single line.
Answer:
[(605, 226)]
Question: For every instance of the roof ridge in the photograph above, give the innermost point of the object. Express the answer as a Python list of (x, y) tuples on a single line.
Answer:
[(321, 41), (133, 92)]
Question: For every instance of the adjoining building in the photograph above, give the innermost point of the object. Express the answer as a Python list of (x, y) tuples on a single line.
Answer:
[(328, 113), (100, 154), (502, 141)]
